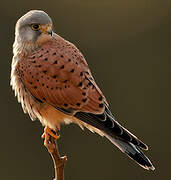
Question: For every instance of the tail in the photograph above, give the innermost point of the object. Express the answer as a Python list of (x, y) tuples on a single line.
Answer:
[(118, 135), (133, 152)]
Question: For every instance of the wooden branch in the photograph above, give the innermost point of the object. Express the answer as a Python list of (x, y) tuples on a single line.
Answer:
[(59, 162)]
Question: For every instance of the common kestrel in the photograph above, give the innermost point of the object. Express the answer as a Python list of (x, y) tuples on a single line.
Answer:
[(53, 83)]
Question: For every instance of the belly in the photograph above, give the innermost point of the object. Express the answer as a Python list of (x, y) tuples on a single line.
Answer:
[(52, 117)]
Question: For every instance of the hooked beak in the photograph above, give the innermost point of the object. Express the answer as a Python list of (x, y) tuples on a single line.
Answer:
[(46, 29), (50, 32)]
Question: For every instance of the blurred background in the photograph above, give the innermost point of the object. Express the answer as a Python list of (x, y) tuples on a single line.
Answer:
[(128, 47)]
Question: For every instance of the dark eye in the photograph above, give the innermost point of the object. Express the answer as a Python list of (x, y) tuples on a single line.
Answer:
[(35, 27)]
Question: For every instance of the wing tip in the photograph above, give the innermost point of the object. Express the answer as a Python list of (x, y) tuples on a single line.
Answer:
[(142, 160), (142, 145), (148, 167)]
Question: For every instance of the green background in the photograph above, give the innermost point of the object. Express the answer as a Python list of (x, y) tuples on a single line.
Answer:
[(127, 44)]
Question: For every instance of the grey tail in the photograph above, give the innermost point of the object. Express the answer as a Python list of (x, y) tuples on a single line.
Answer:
[(133, 152), (118, 135)]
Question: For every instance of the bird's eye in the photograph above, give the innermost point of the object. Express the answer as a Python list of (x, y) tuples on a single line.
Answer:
[(35, 27)]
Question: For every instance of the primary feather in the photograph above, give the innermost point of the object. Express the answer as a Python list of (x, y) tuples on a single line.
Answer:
[(118, 135)]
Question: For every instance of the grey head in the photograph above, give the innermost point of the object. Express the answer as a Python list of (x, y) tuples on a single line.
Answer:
[(33, 24)]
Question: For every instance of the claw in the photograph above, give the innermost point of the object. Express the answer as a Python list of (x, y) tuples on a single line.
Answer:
[(47, 136), (48, 131)]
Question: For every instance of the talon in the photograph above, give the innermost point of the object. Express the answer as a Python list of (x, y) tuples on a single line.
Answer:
[(47, 135), (48, 132)]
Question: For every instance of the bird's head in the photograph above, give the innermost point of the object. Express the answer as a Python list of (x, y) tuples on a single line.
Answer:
[(33, 28)]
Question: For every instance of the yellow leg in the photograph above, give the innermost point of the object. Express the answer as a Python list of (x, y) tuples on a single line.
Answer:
[(47, 135), (48, 132)]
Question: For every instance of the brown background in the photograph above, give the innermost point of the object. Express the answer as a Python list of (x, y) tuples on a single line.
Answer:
[(127, 44)]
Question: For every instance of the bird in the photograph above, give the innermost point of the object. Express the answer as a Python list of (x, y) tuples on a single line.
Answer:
[(54, 84)]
